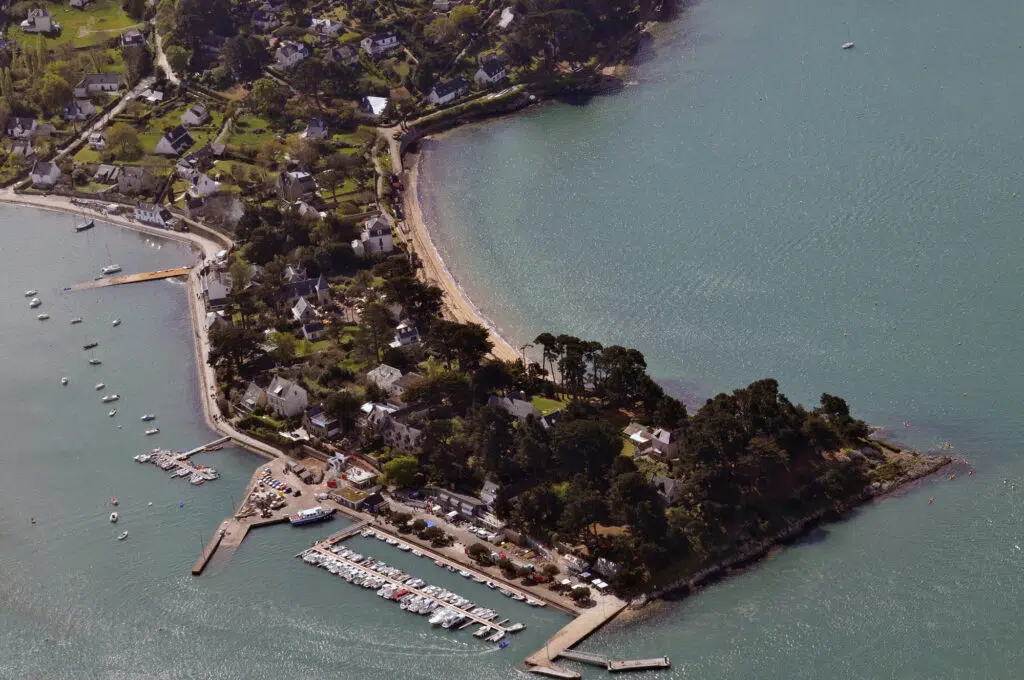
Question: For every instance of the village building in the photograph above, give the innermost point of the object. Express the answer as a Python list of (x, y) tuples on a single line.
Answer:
[(195, 115), (516, 405), (200, 184), (447, 92), (405, 334), (175, 142), (39, 21), (667, 487), (375, 238), (136, 179), (155, 215), (326, 26), (23, 148), (658, 443), (21, 128), (264, 20), (302, 311), (315, 129), (373, 106), (132, 36), (79, 110), (215, 287), (94, 83), (106, 174), (285, 398), (97, 142), (319, 424), (491, 72), (290, 54), (295, 184), (317, 288), (255, 397), (45, 174), (314, 330), (376, 45), (346, 55), (392, 424)]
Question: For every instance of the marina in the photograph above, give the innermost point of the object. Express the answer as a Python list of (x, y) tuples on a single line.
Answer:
[(178, 463)]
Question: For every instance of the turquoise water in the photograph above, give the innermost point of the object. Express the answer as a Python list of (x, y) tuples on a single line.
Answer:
[(77, 603), (763, 203)]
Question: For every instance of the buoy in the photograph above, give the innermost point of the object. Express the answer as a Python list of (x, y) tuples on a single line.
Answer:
[(181, 505), (33, 520)]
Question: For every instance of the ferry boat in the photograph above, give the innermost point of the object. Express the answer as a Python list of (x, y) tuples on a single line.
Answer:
[(317, 514)]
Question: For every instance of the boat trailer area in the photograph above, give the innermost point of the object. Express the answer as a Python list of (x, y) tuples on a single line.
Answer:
[(129, 278)]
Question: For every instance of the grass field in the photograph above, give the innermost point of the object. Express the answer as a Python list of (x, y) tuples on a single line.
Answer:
[(100, 21), (251, 131), (546, 406)]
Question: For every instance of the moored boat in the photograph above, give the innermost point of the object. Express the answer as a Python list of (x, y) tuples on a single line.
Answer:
[(124, 535), (317, 514), (110, 397), (43, 317), (100, 386), (90, 344), (34, 302), (115, 322), (148, 417), (111, 269), (152, 431), (113, 518), (94, 362), (85, 225), (112, 413), (64, 380), (77, 319), (30, 293)]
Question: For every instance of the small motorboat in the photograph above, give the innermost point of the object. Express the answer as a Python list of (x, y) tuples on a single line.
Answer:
[(43, 317), (90, 345), (112, 413), (34, 302), (113, 500), (111, 397), (148, 417), (64, 380), (113, 518), (847, 45), (100, 386), (151, 431), (122, 536), (77, 319), (95, 362), (115, 322), (30, 293), (111, 269)]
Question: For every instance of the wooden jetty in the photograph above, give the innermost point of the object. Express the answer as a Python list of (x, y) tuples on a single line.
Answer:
[(129, 278), (639, 664), (205, 447), (575, 631), (554, 671), (584, 657)]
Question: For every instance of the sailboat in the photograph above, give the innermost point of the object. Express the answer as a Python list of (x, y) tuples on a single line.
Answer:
[(88, 224), (110, 268)]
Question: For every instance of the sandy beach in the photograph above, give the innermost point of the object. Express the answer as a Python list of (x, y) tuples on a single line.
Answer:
[(457, 305)]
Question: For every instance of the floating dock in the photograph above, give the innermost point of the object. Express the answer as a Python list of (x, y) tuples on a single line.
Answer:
[(208, 550), (129, 278), (639, 664)]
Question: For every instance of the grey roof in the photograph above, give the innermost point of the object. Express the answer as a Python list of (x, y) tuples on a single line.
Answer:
[(43, 167), (384, 375), (102, 79), (442, 90), (492, 67), (518, 408), (285, 389), (382, 38), (179, 138)]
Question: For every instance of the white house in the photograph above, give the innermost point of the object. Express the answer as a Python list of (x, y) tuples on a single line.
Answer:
[(384, 377), (302, 311), (93, 83), (22, 128), (200, 185), (447, 92), (326, 27), (377, 45), (156, 215), (97, 141), (132, 36), (405, 334), (285, 398), (507, 17), (39, 21), (491, 72), (315, 129), (45, 174), (374, 239), (152, 96), (374, 106), (195, 115), (290, 54), (175, 142)]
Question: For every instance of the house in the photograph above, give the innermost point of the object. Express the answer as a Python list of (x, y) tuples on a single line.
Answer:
[(314, 330), (200, 160), (153, 214), (195, 116), (375, 238), (384, 377), (255, 397), (295, 272), (97, 142), (78, 4), (194, 207), (467, 506), (107, 174), (93, 83), (200, 184), (392, 424), (445, 5), (666, 486), (666, 443), (491, 72), (377, 45), (174, 142), (309, 288), (447, 92), (152, 96), (265, 21), (285, 398), (215, 286), (319, 424), (346, 55), (315, 129), (373, 106), (135, 179), (45, 174), (326, 27), (659, 443), (39, 21), (294, 184), (132, 36), (290, 54), (80, 109), (302, 311), (405, 334), (516, 405), (215, 319), (490, 492), (360, 478), (22, 147), (21, 128), (507, 17)]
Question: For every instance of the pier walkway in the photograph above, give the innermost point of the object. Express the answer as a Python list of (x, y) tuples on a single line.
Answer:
[(576, 630), (584, 657), (129, 278), (205, 447)]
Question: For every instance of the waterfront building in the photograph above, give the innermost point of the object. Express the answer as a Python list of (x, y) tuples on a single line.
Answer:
[(135, 179), (405, 334), (449, 91), (319, 424), (375, 238), (45, 174), (491, 72), (154, 214), (286, 398)]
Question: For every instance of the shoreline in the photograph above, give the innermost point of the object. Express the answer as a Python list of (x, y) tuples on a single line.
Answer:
[(457, 304)]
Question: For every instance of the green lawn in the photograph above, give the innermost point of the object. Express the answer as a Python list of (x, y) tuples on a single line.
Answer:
[(244, 131), (546, 406), (87, 155), (156, 127), (362, 136), (100, 21), (304, 348)]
